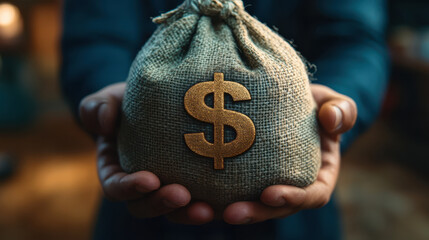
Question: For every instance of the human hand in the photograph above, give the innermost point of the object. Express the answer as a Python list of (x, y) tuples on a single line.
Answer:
[(337, 114), (141, 190)]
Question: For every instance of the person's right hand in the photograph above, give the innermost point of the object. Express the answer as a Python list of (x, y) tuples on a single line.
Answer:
[(142, 191)]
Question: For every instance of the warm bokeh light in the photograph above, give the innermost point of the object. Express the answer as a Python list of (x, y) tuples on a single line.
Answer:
[(8, 14), (10, 21)]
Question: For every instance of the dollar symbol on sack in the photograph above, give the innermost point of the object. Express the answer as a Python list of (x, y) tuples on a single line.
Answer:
[(219, 117)]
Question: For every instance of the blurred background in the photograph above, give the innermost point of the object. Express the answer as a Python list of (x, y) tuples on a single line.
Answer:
[(48, 182)]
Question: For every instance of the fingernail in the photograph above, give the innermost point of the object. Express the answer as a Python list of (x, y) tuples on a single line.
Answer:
[(338, 118), (102, 113)]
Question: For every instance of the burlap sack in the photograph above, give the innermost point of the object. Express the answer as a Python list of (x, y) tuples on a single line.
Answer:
[(193, 42)]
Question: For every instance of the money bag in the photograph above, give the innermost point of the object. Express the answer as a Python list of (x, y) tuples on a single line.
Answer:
[(221, 104)]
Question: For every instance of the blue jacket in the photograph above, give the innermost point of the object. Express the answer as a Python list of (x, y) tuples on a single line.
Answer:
[(343, 38)]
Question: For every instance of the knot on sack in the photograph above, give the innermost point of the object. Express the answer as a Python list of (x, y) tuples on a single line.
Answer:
[(221, 8)]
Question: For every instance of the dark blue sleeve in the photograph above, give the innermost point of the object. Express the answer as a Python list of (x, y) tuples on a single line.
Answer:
[(100, 40), (347, 44), (344, 38)]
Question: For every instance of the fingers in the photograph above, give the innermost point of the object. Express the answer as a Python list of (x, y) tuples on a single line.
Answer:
[(118, 185), (121, 186), (197, 213), (253, 212), (281, 200), (337, 116), (142, 190), (160, 202), (315, 195), (278, 202), (281, 195), (99, 111), (337, 112)]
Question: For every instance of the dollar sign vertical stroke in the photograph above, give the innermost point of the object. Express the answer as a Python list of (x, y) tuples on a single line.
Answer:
[(219, 117)]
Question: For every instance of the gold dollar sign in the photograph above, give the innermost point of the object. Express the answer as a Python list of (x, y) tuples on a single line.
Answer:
[(219, 116)]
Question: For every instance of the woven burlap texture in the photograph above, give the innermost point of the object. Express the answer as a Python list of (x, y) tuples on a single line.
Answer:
[(193, 42)]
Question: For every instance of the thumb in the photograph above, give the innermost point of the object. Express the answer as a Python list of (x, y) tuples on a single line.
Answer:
[(337, 112), (99, 111), (337, 116)]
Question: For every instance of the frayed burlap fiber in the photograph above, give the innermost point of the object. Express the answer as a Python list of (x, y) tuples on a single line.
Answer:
[(192, 42)]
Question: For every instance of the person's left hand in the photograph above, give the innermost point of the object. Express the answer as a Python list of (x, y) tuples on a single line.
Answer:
[(337, 114)]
